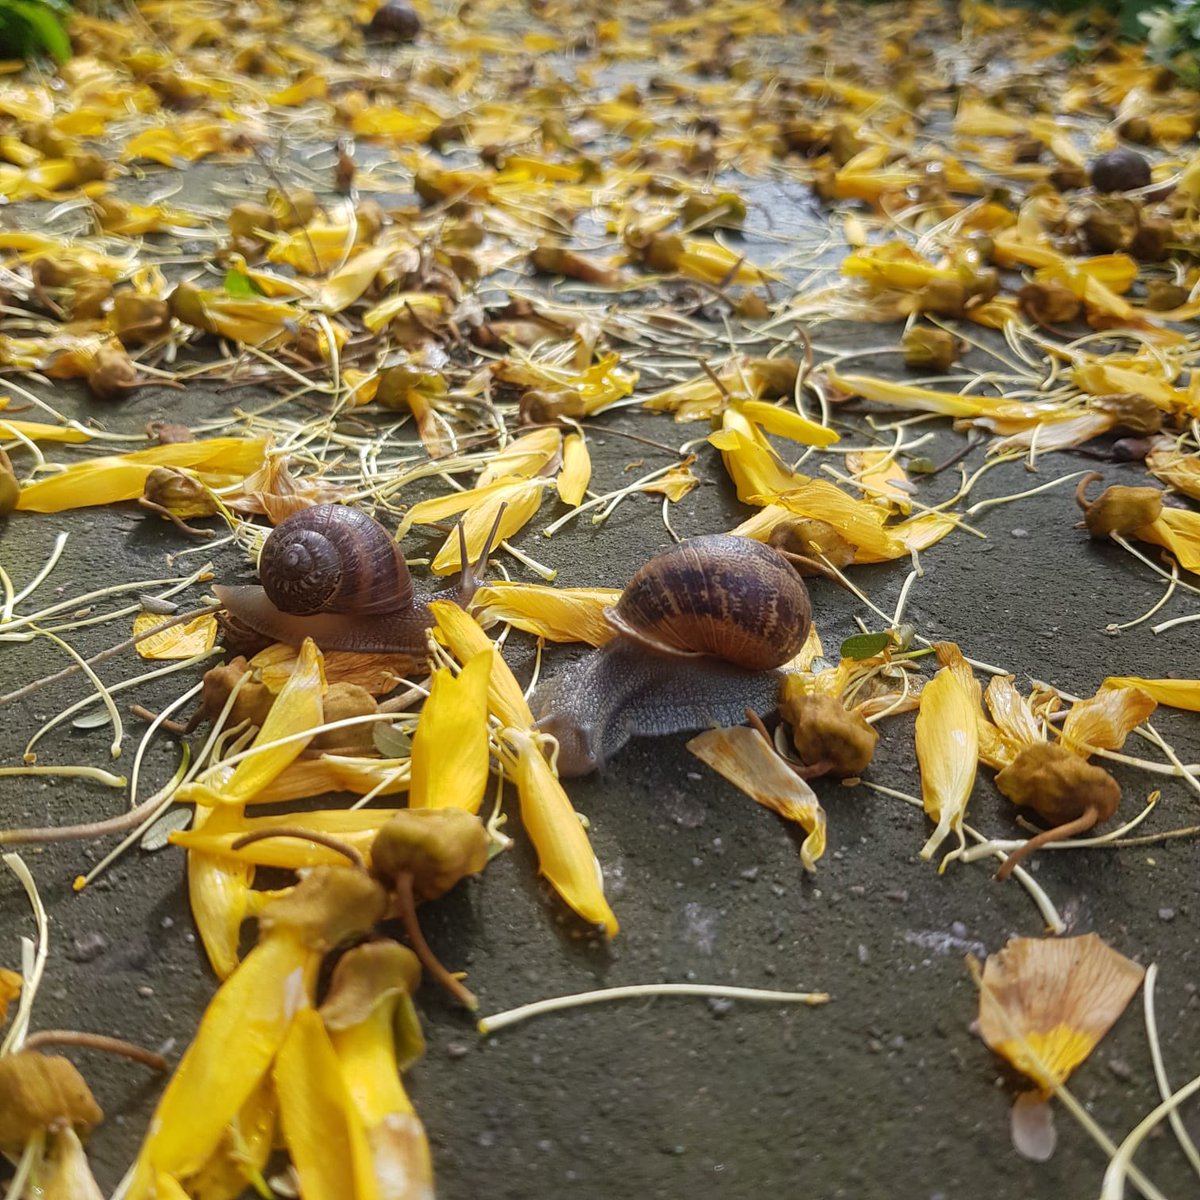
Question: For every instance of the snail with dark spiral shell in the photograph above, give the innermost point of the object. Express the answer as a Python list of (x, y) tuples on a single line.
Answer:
[(701, 633), (334, 574)]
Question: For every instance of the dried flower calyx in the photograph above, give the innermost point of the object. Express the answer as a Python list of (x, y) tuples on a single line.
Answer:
[(829, 738), (1118, 509), (1064, 789)]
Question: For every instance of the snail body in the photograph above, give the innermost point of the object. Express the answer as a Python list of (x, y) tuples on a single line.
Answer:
[(702, 631), (334, 574)]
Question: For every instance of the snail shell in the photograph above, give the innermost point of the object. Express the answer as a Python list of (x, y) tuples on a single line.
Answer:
[(334, 574), (702, 630), (723, 596), (332, 558)]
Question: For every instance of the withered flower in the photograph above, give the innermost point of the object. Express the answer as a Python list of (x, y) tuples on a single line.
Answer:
[(929, 349), (1064, 789), (113, 374), (41, 1092), (1049, 303), (1118, 509), (829, 738), (179, 497), (137, 319)]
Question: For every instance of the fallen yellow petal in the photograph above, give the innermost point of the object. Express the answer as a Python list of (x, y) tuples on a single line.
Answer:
[(948, 753), (1044, 1004), (576, 472), (742, 756), (297, 708), (123, 476), (557, 614), (450, 746), (788, 424), (322, 1129), (1105, 720), (565, 855), (219, 891), (462, 634), (180, 641), (1175, 693)]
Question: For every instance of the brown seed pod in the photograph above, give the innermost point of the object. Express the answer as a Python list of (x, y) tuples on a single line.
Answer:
[(1120, 170), (1137, 414), (807, 541), (1152, 243), (538, 406), (1049, 303), (829, 738), (113, 374), (943, 297), (929, 349), (1162, 295), (1064, 789), (89, 297), (344, 700), (436, 846), (251, 221), (137, 319), (1110, 224), (394, 21), (1118, 509)]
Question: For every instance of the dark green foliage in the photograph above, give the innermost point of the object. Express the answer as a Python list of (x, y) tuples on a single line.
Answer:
[(34, 29)]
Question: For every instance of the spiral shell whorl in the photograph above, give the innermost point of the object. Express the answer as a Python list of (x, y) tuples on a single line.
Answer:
[(723, 596), (336, 559)]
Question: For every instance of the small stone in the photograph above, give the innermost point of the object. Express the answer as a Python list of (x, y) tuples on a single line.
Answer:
[(750, 873), (719, 1006), (864, 955), (875, 1046), (167, 923), (457, 1050), (1166, 914), (958, 929), (1121, 1069), (1020, 533), (899, 895), (145, 992), (87, 947)]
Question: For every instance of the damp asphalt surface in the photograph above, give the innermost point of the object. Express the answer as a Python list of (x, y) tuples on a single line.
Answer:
[(885, 1091)]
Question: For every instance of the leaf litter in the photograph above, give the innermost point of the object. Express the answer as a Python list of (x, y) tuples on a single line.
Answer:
[(426, 315)]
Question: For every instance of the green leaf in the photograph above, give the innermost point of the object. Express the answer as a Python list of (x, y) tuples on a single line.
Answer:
[(45, 29), (238, 283), (865, 645)]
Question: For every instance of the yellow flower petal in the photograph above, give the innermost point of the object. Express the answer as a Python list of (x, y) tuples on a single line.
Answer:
[(1105, 720), (238, 1036), (356, 827), (785, 423), (523, 457), (297, 708), (450, 746), (576, 472), (123, 476), (948, 753), (180, 641), (219, 891), (39, 431), (858, 521), (1044, 1004), (520, 502), (348, 283), (1177, 530), (335, 773), (565, 855), (753, 466), (742, 756), (238, 1161), (462, 634), (323, 1132), (883, 478), (1175, 693), (557, 614)]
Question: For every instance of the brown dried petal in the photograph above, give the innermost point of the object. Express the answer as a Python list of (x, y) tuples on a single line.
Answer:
[(825, 731), (1058, 785), (327, 906)]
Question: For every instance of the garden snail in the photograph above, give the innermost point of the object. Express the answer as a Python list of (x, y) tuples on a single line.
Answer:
[(701, 633), (334, 574)]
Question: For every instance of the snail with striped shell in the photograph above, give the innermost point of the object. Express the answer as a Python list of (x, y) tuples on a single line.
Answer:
[(334, 574), (702, 631)]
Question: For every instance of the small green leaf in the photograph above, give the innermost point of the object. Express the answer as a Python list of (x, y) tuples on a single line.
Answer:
[(392, 742), (238, 283), (865, 645), (46, 31)]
